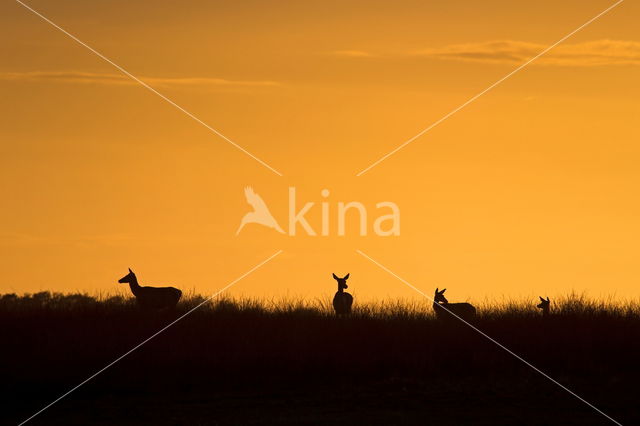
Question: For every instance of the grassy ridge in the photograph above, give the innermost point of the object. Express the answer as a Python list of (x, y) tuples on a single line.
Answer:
[(569, 305), (52, 342)]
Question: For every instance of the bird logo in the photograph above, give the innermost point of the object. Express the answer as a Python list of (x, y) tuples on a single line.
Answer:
[(260, 213)]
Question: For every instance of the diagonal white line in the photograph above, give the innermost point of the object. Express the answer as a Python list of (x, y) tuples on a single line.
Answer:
[(137, 80), (491, 339), (154, 335), (486, 90)]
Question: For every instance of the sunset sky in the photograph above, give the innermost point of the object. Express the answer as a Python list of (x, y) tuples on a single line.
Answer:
[(531, 189)]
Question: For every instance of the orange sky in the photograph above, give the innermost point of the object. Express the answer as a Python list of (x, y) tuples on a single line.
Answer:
[(532, 189)]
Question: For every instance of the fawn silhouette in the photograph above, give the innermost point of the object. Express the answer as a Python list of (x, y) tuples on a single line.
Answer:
[(152, 297), (342, 301), (444, 309), (544, 305)]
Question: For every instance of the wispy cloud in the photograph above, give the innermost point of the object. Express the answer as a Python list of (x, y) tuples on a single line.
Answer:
[(353, 53), (592, 53), (25, 240), (79, 77)]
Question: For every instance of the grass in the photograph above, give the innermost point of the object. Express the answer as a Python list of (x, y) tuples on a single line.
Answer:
[(260, 351), (575, 305)]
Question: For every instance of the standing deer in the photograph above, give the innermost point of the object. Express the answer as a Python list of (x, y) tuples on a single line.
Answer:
[(444, 309), (152, 297), (544, 305), (342, 301)]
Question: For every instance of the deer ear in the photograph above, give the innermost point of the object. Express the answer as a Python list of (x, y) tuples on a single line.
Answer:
[(130, 271), (335, 277), (542, 299), (436, 289), (548, 301), (443, 290), (346, 277)]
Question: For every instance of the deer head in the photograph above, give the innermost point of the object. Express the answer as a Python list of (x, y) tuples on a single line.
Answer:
[(342, 282), (129, 278), (439, 296), (544, 305)]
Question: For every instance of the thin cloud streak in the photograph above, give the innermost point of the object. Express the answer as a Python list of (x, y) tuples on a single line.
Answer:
[(353, 53), (591, 53), (79, 77), (586, 54)]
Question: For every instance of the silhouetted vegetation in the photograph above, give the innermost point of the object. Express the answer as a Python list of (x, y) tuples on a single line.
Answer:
[(269, 362)]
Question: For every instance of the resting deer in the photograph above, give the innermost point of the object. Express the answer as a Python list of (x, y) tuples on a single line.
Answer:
[(342, 301), (444, 309), (151, 297), (544, 305)]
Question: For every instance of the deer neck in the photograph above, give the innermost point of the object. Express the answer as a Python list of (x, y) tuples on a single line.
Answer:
[(340, 289), (135, 287)]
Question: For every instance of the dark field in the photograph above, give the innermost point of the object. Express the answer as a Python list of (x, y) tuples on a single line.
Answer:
[(250, 362)]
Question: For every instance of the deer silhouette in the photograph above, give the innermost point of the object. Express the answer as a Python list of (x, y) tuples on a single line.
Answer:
[(342, 301), (444, 309), (544, 305), (152, 297)]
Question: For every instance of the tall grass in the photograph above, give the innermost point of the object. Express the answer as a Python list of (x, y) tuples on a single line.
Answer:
[(574, 304), (55, 341)]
